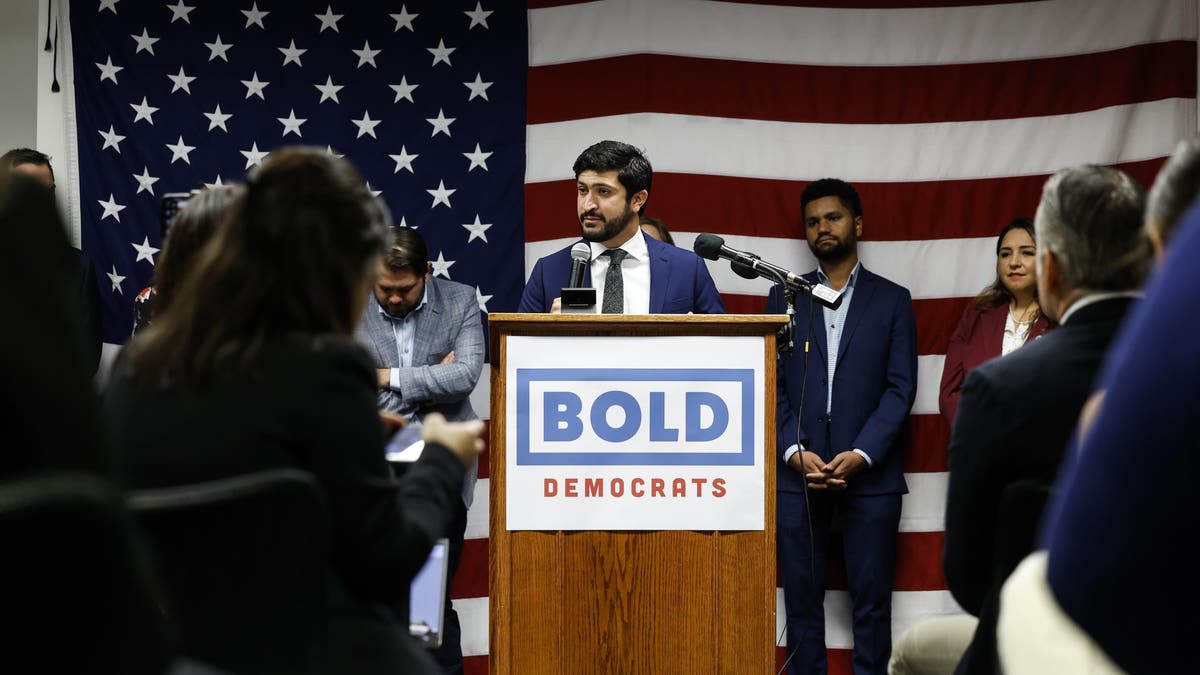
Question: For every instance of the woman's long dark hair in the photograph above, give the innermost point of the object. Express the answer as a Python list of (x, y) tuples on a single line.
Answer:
[(293, 257), (996, 294), (193, 227)]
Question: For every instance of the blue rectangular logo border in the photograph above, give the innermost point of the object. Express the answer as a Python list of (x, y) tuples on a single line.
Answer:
[(743, 376)]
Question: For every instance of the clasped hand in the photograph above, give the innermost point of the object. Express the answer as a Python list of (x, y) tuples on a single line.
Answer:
[(822, 475)]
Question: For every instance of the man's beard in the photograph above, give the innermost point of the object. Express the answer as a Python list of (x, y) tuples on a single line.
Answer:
[(836, 253), (608, 228)]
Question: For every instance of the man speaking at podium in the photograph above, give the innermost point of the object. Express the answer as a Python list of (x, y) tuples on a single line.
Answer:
[(631, 272)]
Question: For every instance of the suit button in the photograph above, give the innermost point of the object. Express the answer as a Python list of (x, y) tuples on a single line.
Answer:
[(824, 380)]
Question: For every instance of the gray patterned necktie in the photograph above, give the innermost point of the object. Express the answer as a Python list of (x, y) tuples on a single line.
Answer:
[(614, 283)]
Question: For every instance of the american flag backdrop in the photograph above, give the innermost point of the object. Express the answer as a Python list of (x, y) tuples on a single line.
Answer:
[(946, 115), (427, 99)]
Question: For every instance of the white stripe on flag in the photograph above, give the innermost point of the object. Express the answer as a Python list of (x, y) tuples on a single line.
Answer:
[(914, 152), (923, 508), (825, 36), (473, 620), (481, 395), (929, 268), (477, 515), (908, 608), (929, 383)]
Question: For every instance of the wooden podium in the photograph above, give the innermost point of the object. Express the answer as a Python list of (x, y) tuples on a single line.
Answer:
[(658, 601)]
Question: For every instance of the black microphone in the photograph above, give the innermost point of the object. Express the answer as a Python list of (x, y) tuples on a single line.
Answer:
[(713, 247), (581, 255)]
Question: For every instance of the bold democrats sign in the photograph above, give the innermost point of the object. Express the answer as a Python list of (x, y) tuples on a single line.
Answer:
[(653, 442), (636, 416)]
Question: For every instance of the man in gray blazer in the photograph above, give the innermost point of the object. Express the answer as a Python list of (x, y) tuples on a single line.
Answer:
[(426, 337)]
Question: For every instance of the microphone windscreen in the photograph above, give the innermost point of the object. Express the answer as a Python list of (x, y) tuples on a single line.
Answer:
[(743, 270), (708, 246), (581, 251)]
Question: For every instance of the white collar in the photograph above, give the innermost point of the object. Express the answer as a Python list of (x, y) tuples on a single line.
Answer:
[(636, 247)]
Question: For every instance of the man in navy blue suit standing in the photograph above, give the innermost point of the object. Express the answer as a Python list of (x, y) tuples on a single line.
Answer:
[(631, 272), (841, 405)]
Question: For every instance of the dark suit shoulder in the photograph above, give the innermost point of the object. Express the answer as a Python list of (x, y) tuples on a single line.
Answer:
[(1064, 359), (866, 276)]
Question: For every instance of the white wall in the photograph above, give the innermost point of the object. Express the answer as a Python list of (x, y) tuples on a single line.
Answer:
[(19, 45)]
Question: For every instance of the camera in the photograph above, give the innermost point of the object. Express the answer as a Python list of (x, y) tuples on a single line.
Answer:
[(172, 203)]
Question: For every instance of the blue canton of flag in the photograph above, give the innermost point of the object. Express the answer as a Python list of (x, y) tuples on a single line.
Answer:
[(426, 98)]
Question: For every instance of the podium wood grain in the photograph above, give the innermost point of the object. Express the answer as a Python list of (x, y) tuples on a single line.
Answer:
[(631, 602)]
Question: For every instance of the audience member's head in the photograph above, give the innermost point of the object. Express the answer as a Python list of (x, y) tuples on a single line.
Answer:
[(657, 229), (633, 169), (31, 163), (1016, 265), (1090, 236), (297, 254), (1175, 189), (193, 227), (403, 271), (45, 364)]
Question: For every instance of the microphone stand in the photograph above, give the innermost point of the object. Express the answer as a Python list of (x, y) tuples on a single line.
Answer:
[(788, 333)]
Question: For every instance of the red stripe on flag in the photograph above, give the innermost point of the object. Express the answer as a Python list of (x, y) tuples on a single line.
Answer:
[(485, 467), (935, 317), (771, 208), (871, 94), (471, 579), (840, 660), (475, 665), (918, 563), (936, 320), (924, 441)]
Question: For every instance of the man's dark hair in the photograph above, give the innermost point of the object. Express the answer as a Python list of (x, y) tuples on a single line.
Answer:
[(633, 169), (18, 156), (193, 228), (407, 252), (831, 187)]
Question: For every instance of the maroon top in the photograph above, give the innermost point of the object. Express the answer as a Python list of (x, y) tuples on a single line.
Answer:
[(979, 337)]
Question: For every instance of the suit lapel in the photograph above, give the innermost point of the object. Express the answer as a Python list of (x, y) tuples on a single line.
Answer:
[(382, 335), (864, 288), (426, 325), (660, 274)]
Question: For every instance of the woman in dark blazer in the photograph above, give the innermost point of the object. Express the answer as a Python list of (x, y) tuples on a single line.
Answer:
[(253, 365), (1001, 318)]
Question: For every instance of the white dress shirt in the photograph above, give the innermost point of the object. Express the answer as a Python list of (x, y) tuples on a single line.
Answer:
[(635, 273), (404, 329)]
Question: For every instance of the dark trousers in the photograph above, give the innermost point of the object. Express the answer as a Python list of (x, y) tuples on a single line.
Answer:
[(869, 524), (449, 654)]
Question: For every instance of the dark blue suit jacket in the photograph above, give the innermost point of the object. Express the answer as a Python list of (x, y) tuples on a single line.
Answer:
[(679, 281), (1127, 495), (873, 389)]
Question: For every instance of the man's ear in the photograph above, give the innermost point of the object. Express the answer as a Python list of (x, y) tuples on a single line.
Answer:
[(1051, 272), (638, 200), (857, 227), (428, 269)]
